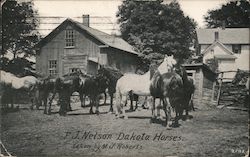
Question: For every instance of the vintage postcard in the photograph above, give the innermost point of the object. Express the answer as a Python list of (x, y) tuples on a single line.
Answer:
[(161, 78)]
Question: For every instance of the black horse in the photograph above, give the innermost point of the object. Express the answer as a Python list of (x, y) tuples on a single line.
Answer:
[(111, 75)]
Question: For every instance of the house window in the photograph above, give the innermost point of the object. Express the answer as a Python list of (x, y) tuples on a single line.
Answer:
[(69, 38), (52, 67), (236, 48), (72, 70)]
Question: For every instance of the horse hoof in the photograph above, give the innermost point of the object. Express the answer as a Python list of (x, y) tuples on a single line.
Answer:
[(91, 112), (168, 127), (44, 112), (117, 116), (63, 114), (125, 117), (97, 112), (151, 121), (31, 107)]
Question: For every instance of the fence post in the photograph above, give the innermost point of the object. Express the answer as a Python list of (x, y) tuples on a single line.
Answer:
[(219, 92)]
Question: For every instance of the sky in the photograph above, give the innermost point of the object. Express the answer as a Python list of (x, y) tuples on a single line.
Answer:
[(103, 12)]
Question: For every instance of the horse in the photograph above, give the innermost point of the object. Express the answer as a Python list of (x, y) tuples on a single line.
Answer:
[(71, 82), (188, 90), (112, 75), (44, 88), (93, 87), (138, 84), (167, 87), (13, 84)]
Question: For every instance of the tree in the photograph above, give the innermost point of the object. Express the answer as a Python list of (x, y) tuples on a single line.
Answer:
[(234, 14), (154, 28), (19, 32), (19, 27)]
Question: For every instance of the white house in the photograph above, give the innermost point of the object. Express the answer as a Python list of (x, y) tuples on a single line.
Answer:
[(230, 46)]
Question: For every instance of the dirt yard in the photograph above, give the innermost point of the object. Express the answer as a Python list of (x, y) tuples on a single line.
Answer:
[(211, 132)]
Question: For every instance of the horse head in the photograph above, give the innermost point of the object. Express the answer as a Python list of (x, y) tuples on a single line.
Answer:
[(171, 62), (167, 65)]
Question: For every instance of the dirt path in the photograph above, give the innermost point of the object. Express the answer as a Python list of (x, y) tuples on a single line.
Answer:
[(211, 132)]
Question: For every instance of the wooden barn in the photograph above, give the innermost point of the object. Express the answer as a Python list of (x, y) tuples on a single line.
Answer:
[(205, 81), (76, 46)]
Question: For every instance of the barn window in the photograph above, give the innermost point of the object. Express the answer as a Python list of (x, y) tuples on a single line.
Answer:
[(69, 38), (236, 48), (52, 67)]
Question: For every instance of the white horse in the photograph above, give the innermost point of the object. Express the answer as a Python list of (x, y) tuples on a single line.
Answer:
[(17, 82), (9, 80), (138, 84)]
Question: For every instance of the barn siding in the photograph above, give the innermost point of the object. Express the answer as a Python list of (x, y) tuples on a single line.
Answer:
[(55, 49), (127, 63), (204, 83)]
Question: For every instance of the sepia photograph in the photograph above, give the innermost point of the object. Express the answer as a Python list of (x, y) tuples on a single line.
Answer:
[(124, 78)]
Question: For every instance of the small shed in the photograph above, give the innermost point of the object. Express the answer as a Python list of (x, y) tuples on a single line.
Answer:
[(205, 81)]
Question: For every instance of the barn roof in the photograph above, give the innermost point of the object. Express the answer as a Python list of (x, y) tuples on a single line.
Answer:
[(104, 38), (225, 36)]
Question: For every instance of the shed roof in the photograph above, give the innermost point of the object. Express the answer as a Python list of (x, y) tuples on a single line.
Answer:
[(199, 65), (226, 36), (104, 38), (226, 56)]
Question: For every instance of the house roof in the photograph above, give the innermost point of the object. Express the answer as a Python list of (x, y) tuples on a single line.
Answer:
[(226, 36), (218, 43), (104, 38)]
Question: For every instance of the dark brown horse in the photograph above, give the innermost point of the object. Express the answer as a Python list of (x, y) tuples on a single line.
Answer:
[(187, 91), (167, 87)]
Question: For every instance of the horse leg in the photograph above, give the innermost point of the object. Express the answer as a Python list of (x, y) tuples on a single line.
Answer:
[(167, 110), (84, 100), (131, 101), (158, 110), (69, 108), (97, 105), (91, 105), (50, 102), (45, 105), (145, 103), (123, 108), (136, 104), (152, 120), (111, 103), (81, 99), (105, 98)]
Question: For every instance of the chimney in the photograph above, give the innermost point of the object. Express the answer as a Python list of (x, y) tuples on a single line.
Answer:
[(85, 20), (216, 36)]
